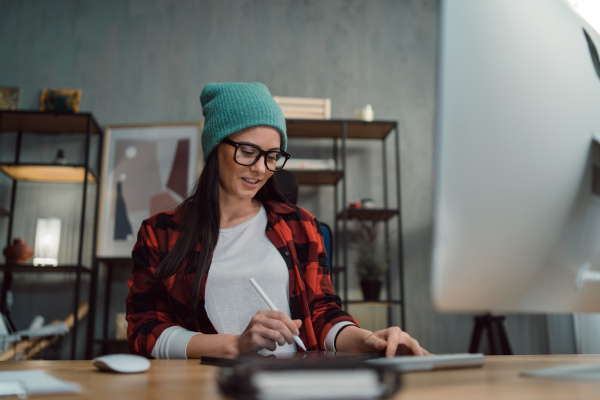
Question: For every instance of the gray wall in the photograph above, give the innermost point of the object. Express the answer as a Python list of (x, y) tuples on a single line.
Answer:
[(147, 61)]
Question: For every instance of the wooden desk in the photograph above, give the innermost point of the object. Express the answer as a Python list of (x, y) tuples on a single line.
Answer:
[(185, 379), (499, 380)]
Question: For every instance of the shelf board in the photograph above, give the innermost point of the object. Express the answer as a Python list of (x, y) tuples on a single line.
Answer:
[(46, 269), (47, 122), (371, 214), (116, 261), (47, 173), (317, 177), (310, 128)]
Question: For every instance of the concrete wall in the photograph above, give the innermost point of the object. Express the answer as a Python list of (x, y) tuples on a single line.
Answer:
[(146, 61)]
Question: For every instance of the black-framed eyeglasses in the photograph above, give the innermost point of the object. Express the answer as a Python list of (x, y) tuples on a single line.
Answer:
[(248, 154)]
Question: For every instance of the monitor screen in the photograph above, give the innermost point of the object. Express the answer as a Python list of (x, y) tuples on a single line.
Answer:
[(516, 213)]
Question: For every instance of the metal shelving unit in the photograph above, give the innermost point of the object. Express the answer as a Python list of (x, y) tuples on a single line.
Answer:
[(21, 124), (340, 131)]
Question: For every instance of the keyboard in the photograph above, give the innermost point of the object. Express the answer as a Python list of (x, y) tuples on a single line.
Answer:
[(433, 362)]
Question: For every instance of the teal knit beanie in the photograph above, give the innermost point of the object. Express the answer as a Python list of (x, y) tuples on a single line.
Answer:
[(232, 107)]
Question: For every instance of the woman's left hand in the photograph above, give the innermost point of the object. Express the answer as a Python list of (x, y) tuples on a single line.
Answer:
[(393, 341)]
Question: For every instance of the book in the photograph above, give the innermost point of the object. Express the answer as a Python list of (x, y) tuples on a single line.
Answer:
[(323, 378), (310, 164)]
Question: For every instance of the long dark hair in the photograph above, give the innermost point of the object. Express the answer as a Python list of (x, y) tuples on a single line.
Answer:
[(200, 223)]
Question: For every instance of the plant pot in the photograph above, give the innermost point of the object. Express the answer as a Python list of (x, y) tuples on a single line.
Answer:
[(371, 290), (18, 252)]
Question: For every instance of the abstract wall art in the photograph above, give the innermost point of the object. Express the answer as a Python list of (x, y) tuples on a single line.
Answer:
[(146, 169)]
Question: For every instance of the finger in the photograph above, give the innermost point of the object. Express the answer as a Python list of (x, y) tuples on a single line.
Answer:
[(422, 351), (399, 342), (261, 340), (298, 323), (275, 337), (409, 346), (259, 336), (392, 344), (384, 341), (292, 325), (277, 321), (251, 342)]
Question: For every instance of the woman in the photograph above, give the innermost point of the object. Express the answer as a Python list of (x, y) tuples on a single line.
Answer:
[(190, 293)]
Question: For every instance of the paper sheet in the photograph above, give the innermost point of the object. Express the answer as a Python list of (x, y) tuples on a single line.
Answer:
[(38, 382)]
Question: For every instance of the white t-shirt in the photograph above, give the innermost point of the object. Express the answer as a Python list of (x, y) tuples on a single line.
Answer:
[(243, 252)]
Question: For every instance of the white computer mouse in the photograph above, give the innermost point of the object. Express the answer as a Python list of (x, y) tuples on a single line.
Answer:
[(125, 363)]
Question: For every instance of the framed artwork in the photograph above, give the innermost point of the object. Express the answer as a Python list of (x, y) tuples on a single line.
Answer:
[(60, 100), (145, 169), (9, 97)]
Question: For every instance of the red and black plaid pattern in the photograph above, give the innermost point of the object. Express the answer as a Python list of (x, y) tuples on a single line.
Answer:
[(294, 232)]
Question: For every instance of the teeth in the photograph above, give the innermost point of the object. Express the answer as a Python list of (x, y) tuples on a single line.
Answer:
[(250, 180)]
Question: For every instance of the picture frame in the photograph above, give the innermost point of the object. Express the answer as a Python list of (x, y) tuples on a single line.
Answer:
[(9, 97), (145, 169), (63, 100)]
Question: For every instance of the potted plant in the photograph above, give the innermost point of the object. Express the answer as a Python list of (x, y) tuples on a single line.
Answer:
[(371, 266)]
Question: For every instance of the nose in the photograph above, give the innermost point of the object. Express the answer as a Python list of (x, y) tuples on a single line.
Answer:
[(260, 166)]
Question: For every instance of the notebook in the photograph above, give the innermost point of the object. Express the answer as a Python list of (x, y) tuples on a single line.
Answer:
[(320, 377), (229, 360)]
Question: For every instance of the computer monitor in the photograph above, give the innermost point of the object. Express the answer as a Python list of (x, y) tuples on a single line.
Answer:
[(516, 211)]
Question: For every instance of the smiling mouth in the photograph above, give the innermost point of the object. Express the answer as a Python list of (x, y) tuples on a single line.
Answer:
[(252, 181)]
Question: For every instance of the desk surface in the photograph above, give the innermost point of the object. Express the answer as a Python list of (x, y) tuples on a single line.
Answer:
[(187, 379)]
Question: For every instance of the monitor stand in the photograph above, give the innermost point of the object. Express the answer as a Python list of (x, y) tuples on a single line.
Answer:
[(573, 372)]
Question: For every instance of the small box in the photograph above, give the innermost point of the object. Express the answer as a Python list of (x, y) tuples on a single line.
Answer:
[(304, 107)]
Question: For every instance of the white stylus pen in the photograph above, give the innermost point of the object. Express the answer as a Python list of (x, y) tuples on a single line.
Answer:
[(272, 307)]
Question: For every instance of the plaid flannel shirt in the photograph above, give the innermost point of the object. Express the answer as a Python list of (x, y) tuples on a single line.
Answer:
[(151, 308)]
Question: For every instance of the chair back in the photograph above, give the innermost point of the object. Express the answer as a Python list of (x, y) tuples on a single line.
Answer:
[(326, 230)]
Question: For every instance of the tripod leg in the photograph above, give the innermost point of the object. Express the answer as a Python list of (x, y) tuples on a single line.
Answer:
[(503, 337), (476, 335), (492, 333)]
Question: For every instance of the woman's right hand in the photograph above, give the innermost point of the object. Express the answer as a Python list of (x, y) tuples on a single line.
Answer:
[(267, 329)]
